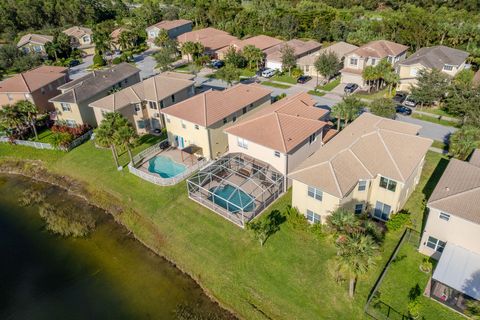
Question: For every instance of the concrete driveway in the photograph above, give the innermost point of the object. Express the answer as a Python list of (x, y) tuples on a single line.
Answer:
[(81, 69), (146, 63), (430, 130)]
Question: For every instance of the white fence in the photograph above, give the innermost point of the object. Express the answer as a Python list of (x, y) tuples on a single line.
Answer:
[(41, 145)]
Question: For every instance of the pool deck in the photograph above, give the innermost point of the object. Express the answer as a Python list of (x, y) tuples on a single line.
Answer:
[(172, 153)]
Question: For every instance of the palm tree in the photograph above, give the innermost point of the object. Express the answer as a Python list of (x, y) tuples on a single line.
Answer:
[(352, 108), (253, 56), (29, 112), (126, 40), (369, 74), (464, 141), (105, 134), (355, 256), (339, 111), (11, 119), (125, 135), (392, 79), (191, 48), (343, 221)]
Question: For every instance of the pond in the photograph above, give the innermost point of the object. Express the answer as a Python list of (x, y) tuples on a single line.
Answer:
[(106, 275)]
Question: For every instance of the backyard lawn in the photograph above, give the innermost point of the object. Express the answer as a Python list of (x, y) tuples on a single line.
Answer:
[(290, 277), (44, 136)]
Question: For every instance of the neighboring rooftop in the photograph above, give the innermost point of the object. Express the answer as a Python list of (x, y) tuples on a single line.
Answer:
[(77, 32), (209, 107), (300, 48), (170, 24), (458, 191), (32, 80), (283, 125), (368, 147), (380, 49), (94, 82), (212, 39), (155, 88), (261, 42), (34, 38), (437, 57), (340, 49)]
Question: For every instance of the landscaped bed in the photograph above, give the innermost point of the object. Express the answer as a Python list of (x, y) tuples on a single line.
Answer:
[(330, 86)]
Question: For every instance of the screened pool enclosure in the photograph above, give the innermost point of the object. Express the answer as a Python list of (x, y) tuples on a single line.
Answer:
[(236, 186)]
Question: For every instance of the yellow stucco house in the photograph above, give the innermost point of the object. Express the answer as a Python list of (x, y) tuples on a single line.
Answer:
[(81, 38), (373, 165)]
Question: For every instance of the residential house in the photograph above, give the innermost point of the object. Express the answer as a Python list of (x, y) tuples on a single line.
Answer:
[(340, 49), (34, 43), (202, 119), (141, 103), (81, 39), (448, 60), (37, 86), (452, 233), (370, 54), (300, 48), (373, 165), (174, 28), (283, 134), (212, 39), (72, 105), (261, 42)]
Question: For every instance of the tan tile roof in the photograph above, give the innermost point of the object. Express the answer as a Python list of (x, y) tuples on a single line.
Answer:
[(368, 147), (261, 42), (78, 32), (380, 49), (211, 38), (458, 191), (34, 38), (300, 48), (436, 57), (152, 89), (340, 49), (475, 158), (170, 24), (32, 80), (283, 125), (209, 107)]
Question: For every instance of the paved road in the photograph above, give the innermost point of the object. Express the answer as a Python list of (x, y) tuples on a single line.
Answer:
[(430, 130), (81, 69)]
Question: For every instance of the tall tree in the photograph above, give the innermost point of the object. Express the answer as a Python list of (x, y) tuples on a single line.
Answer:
[(383, 107), (29, 113), (431, 87), (162, 38), (254, 56), (464, 141), (229, 74), (348, 110), (235, 58), (105, 134), (192, 49), (328, 65), (126, 136), (289, 61)]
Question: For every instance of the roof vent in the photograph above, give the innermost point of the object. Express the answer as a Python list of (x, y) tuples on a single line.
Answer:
[(447, 189)]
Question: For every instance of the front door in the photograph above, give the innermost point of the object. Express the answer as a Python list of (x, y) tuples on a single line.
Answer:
[(382, 211)]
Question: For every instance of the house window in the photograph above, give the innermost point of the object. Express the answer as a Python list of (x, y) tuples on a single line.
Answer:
[(353, 61), (9, 96), (358, 208), (162, 105), (382, 211), (137, 107), (234, 118), (37, 48), (315, 193), (444, 216), (374, 61), (307, 68), (277, 154), (390, 59), (242, 143), (184, 126), (388, 184), (448, 67), (141, 124), (65, 106), (313, 217), (71, 123), (225, 120), (86, 39), (413, 72), (435, 244), (173, 98), (152, 104), (312, 138), (250, 106), (244, 110), (362, 185), (196, 127), (156, 115)]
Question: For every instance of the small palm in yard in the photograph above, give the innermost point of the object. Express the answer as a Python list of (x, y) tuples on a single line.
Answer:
[(347, 110), (10, 119), (106, 133), (125, 135), (464, 141), (29, 112)]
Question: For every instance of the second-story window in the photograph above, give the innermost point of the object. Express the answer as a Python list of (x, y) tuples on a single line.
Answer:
[(444, 216), (234, 118), (244, 110), (137, 107), (152, 104), (173, 98), (315, 193), (66, 106), (353, 61), (277, 154), (374, 61), (388, 184), (448, 67), (225, 120), (197, 127), (362, 185), (162, 105), (312, 138), (242, 143)]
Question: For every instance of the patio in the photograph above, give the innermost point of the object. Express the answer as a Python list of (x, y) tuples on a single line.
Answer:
[(236, 186)]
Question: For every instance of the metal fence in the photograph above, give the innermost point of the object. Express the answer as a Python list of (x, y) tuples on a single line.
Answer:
[(42, 145)]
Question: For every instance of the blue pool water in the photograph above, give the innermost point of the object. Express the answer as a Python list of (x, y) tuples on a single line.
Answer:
[(165, 167), (238, 197)]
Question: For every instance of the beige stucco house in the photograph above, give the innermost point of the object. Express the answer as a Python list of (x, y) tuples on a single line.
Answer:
[(261, 42), (370, 54), (37, 86), (81, 38), (202, 119), (142, 102), (212, 39), (452, 233), (34, 43), (174, 28), (448, 60), (283, 134), (300, 48), (373, 165), (72, 105)]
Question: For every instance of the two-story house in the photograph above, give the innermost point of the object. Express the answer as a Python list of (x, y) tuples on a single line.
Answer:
[(370, 54), (174, 28), (283, 134), (81, 39), (37, 86), (72, 105), (373, 165), (452, 233), (142, 102), (448, 60), (34, 43), (202, 119)]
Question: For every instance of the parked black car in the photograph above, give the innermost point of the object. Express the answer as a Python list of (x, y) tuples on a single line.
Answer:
[(403, 110), (74, 63), (400, 96), (303, 79), (217, 64), (350, 87)]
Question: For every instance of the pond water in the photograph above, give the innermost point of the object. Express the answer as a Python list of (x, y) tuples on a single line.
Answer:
[(108, 275)]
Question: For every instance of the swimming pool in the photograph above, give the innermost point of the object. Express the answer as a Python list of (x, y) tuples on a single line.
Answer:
[(165, 167), (234, 195)]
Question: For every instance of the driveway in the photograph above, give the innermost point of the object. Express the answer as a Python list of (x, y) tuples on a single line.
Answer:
[(81, 69), (146, 63), (430, 130)]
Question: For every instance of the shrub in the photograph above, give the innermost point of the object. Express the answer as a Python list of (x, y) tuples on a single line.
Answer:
[(117, 60), (414, 309), (31, 197), (67, 223), (280, 96), (98, 60), (61, 139), (296, 219), (398, 220), (473, 309), (426, 265), (296, 72)]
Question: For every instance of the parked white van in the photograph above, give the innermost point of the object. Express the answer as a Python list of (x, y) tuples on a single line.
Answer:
[(267, 73)]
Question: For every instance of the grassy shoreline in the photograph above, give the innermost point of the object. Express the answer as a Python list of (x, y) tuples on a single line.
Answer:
[(291, 277)]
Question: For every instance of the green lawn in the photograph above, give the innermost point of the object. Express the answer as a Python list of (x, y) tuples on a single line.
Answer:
[(317, 93), (436, 111), (330, 86), (284, 78), (247, 73), (372, 96), (440, 145), (185, 68), (435, 120), (290, 277), (276, 85)]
